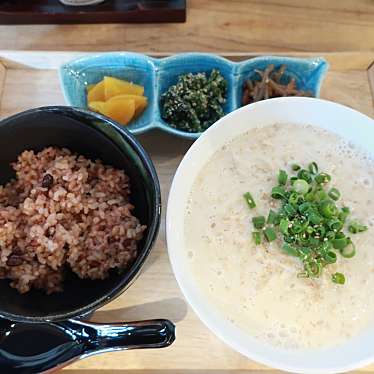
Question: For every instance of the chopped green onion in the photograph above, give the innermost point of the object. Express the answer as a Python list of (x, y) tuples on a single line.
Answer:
[(314, 242), (296, 228), (330, 257), (302, 239), (249, 199), (292, 180), (258, 222), (349, 251), (309, 222), (335, 224), (320, 231), (309, 230), (328, 209), (301, 186), (340, 241), (289, 239), (338, 278), (325, 247), (305, 250), (304, 174), (289, 210), (282, 177), (309, 197), (330, 235), (304, 207), (273, 218), (278, 192), (303, 274), (270, 234), (294, 198), (313, 168), (314, 218), (334, 194), (283, 226), (355, 227), (256, 237), (344, 213), (292, 251), (340, 235), (322, 178), (320, 195), (313, 269)]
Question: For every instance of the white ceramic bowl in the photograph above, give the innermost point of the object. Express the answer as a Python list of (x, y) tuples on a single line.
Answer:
[(359, 129)]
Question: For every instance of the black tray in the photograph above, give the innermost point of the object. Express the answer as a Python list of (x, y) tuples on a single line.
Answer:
[(110, 11)]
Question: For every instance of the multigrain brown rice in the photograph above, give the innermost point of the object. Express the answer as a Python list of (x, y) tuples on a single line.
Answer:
[(64, 211)]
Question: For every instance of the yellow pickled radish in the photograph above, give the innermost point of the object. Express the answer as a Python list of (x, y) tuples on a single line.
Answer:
[(96, 93), (140, 102), (97, 106), (114, 86), (121, 111)]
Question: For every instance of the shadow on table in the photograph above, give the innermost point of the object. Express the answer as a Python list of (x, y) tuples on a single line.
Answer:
[(161, 144), (174, 309)]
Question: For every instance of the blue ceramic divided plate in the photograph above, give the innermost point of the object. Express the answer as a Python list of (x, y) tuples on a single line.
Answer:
[(156, 75)]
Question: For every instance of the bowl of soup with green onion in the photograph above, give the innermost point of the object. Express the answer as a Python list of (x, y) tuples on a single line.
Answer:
[(270, 232)]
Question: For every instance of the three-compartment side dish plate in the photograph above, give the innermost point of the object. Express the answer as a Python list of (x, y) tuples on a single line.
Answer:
[(346, 122), (157, 75)]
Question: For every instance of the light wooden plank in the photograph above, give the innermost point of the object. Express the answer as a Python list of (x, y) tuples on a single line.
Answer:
[(28, 88), (216, 25), (349, 88), (52, 60)]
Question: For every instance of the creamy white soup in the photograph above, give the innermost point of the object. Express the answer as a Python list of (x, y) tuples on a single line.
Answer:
[(256, 286)]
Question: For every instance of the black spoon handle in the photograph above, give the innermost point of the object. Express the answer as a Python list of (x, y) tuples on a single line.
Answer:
[(28, 348), (98, 337)]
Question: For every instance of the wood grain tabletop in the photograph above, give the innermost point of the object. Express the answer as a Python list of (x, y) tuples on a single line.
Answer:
[(261, 26), (218, 25), (30, 79)]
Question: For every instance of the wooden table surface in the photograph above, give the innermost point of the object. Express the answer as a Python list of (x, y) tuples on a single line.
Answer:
[(219, 25), (30, 79), (214, 26)]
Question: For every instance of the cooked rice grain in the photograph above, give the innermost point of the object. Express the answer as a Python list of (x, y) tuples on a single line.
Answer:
[(61, 211)]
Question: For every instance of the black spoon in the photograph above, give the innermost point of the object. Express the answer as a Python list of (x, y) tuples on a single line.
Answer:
[(44, 347)]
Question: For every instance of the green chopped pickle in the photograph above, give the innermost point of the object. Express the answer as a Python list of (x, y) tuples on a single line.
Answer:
[(308, 223)]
